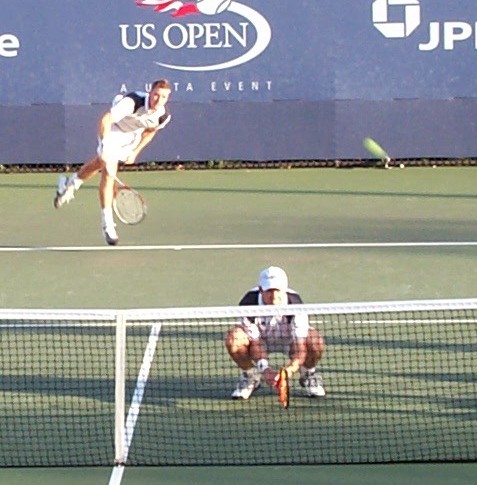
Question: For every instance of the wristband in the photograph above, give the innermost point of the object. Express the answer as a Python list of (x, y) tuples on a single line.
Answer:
[(262, 365)]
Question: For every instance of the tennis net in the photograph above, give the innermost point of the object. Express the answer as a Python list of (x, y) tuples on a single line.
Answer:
[(152, 387)]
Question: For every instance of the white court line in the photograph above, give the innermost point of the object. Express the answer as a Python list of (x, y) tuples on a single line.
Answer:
[(185, 247), (133, 413)]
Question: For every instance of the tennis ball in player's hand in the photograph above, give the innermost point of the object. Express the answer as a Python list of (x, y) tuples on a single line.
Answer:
[(212, 7)]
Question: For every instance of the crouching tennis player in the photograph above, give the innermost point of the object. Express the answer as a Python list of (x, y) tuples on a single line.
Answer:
[(251, 341)]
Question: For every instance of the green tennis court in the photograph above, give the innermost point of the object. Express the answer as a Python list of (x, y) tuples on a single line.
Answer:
[(342, 235)]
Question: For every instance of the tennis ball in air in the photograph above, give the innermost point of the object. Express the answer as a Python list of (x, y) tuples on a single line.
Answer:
[(373, 148), (212, 7)]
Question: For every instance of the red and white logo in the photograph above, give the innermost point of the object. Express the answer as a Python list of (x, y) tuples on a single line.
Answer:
[(181, 9)]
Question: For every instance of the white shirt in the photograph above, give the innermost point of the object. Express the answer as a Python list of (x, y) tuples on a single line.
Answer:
[(276, 330)]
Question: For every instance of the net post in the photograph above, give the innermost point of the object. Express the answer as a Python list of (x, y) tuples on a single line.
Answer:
[(120, 388)]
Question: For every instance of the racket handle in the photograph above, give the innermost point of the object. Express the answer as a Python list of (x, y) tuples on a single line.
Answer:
[(283, 388)]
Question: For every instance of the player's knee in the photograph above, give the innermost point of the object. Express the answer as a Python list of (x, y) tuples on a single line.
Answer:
[(236, 340), (108, 172)]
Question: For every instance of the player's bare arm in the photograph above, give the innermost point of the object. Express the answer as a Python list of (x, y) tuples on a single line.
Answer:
[(146, 138), (105, 123), (298, 356)]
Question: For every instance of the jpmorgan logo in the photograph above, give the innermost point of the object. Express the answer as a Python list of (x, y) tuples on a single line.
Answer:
[(396, 30), (398, 19), (200, 31)]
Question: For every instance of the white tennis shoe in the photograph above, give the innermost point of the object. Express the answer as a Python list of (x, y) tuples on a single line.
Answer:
[(65, 192), (110, 235), (246, 385), (313, 384)]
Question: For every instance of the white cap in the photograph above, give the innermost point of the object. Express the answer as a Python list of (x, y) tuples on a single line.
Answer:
[(273, 278)]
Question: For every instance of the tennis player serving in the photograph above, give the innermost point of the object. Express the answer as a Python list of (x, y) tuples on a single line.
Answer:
[(124, 131), (250, 342)]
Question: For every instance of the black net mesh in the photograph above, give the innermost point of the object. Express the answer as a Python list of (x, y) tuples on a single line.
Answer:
[(401, 387)]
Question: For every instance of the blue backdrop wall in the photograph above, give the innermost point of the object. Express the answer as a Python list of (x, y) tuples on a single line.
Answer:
[(252, 79)]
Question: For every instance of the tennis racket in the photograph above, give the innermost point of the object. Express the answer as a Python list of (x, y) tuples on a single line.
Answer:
[(128, 204), (283, 388)]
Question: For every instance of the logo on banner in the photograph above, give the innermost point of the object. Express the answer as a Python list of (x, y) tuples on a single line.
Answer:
[(398, 19), (396, 30), (9, 45), (201, 27)]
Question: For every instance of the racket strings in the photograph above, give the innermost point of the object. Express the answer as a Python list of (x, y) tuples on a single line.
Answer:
[(129, 206)]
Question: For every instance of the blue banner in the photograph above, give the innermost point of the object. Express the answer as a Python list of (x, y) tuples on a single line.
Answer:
[(329, 60)]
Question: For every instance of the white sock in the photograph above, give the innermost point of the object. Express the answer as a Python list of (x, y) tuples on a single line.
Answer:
[(107, 216), (75, 181)]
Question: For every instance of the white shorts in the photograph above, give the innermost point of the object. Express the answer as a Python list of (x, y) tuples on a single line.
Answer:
[(117, 147)]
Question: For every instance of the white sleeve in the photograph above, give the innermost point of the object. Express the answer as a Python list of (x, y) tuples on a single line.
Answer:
[(121, 109)]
